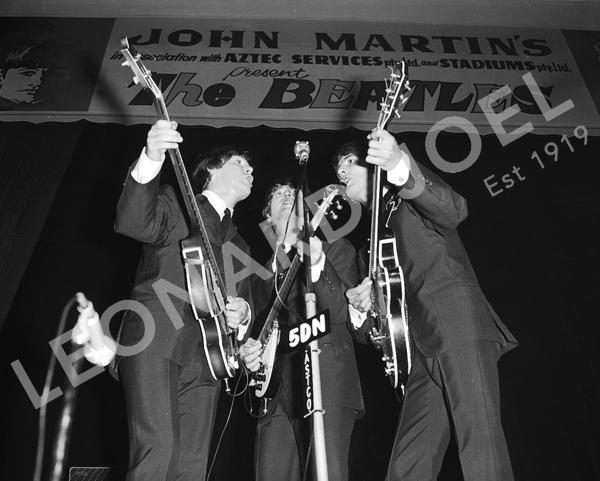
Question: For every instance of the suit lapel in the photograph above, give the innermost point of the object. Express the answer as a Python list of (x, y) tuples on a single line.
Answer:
[(211, 220)]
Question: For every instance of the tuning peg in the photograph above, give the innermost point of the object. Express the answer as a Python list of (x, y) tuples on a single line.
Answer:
[(125, 63)]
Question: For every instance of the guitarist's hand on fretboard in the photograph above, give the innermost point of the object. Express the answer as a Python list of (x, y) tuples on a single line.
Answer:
[(162, 136), (384, 151)]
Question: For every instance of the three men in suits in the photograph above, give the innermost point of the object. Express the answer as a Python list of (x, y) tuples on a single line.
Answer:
[(458, 338), (170, 394), (282, 436)]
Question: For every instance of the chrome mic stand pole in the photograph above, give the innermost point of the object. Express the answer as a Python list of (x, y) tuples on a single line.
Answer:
[(301, 150)]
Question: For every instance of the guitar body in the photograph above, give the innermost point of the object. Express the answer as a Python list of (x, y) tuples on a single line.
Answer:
[(208, 307), (266, 380), (262, 377), (390, 327)]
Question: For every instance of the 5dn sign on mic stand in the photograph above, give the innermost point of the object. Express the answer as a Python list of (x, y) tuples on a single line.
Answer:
[(301, 336)]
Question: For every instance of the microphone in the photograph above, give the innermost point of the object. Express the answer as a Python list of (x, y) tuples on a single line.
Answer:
[(99, 348), (301, 150)]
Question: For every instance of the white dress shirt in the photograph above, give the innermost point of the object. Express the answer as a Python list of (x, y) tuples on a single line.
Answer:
[(315, 269)]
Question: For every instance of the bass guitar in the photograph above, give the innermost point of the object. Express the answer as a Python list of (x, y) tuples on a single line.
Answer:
[(265, 381), (204, 281), (389, 331)]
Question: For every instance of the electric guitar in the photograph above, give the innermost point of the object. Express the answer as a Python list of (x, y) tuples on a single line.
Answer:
[(389, 331), (205, 285), (265, 381)]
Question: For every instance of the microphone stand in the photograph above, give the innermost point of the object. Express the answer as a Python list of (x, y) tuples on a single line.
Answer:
[(302, 150)]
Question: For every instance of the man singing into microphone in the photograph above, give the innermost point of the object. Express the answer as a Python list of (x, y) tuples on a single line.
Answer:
[(283, 435)]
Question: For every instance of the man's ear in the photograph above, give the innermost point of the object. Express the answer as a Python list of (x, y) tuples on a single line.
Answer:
[(211, 175)]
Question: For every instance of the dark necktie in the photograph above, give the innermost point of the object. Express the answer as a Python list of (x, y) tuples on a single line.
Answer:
[(225, 224)]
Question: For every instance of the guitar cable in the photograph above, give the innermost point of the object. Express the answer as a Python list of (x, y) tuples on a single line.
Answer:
[(233, 398), (307, 460)]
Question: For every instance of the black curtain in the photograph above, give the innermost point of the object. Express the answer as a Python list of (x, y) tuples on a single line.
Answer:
[(534, 247), (33, 159)]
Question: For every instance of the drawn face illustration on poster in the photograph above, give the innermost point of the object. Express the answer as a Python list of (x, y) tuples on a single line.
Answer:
[(21, 75)]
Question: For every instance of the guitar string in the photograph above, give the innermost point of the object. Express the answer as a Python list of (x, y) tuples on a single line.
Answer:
[(277, 290)]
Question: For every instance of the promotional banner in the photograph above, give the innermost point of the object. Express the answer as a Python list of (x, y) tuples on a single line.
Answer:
[(299, 74)]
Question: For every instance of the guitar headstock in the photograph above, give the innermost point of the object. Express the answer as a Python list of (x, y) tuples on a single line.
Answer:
[(396, 94), (339, 195), (330, 204), (141, 74), (328, 195), (331, 191)]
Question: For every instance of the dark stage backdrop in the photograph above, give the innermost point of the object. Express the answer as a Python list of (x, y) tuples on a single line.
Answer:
[(534, 246)]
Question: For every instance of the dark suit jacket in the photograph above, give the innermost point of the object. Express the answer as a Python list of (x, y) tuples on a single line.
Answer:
[(151, 214), (339, 374), (445, 303)]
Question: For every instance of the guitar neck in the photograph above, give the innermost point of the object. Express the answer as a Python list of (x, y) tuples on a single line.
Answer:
[(376, 195), (282, 293), (375, 215), (196, 221), (396, 95), (143, 77), (290, 275)]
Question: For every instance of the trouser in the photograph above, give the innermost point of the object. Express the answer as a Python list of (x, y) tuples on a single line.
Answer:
[(282, 442), (457, 389), (171, 411)]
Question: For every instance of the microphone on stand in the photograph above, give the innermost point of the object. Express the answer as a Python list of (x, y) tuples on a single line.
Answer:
[(99, 348), (311, 356), (301, 150)]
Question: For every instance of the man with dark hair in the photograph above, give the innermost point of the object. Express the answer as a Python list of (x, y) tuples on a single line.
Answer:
[(283, 435), (170, 394), (21, 74), (457, 337), (214, 159)]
